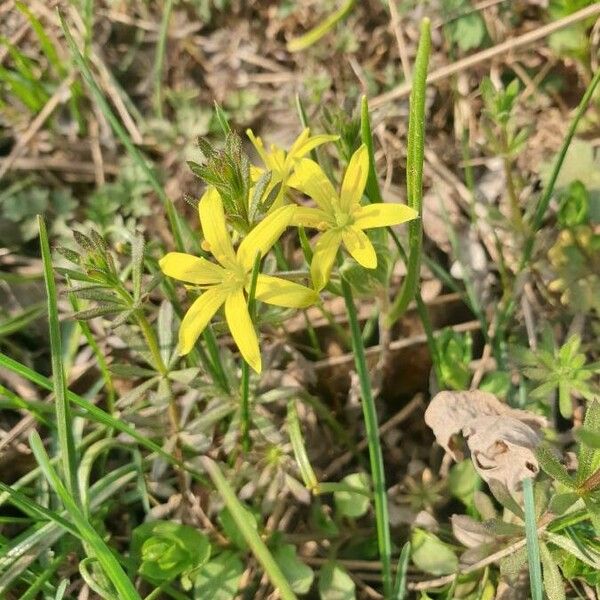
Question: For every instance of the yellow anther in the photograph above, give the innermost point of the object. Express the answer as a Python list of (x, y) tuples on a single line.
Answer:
[(205, 246)]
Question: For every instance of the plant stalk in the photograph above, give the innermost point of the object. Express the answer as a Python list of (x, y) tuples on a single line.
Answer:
[(372, 431)]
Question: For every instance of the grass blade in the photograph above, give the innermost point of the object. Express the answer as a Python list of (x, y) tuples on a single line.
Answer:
[(101, 551), (96, 414), (533, 547), (64, 421), (299, 448), (401, 575), (314, 35), (252, 537)]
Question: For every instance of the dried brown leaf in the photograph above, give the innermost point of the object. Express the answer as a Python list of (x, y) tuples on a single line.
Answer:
[(501, 439)]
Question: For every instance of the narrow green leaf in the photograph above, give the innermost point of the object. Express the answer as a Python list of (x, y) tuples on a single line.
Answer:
[(101, 551), (551, 465), (414, 174), (64, 422), (253, 539), (553, 582), (399, 592), (45, 42), (21, 320), (137, 266), (372, 188), (299, 448), (314, 35), (222, 119)]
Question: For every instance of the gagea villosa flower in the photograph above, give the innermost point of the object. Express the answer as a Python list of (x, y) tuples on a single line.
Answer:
[(228, 280), (280, 163), (342, 217)]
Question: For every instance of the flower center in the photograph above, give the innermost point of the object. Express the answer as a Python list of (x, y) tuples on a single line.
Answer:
[(342, 218), (235, 277)]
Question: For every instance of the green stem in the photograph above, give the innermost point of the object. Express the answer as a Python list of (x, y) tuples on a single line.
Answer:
[(372, 431)]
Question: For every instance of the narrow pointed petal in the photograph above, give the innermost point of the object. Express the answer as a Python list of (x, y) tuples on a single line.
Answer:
[(360, 247), (355, 179), (277, 291), (258, 146), (383, 215), (299, 142), (191, 269), (309, 178), (314, 218), (212, 219), (264, 235), (242, 328), (198, 316), (323, 258), (300, 150)]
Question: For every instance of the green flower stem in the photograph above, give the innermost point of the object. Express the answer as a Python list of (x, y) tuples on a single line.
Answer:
[(414, 174), (173, 409), (372, 431)]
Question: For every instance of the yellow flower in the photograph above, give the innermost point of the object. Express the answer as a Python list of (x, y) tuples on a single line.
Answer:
[(282, 163), (341, 216), (227, 281)]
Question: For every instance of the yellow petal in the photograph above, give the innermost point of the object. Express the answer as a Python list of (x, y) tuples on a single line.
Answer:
[(360, 247), (314, 218), (198, 317), (264, 235), (212, 219), (308, 177), (355, 179), (191, 269), (299, 142), (383, 215), (305, 143), (242, 328), (323, 258), (258, 145), (274, 290)]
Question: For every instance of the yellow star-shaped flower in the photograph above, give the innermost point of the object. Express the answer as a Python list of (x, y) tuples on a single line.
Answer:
[(282, 163), (228, 281), (341, 216)]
